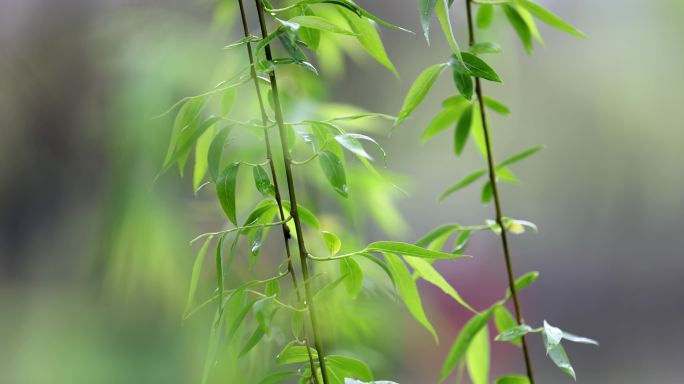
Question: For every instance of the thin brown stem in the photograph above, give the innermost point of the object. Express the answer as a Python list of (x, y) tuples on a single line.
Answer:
[(293, 200), (269, 156), (497, 201)]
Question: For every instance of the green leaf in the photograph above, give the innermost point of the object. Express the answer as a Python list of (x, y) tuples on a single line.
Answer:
[(305, 214), (253, 340), (523, 281), (294, 354), (353, 281), (408, 250), (560, 358), (448, 117), (520, 27), (504, 321), (215, 152), (463, 130), (317, 22), (487, 193), (310, 37), (466, 181), (187, 115), (219, 270), (369, 39), (485, 47), (485, 15), (228, 100), (262, 181), (514, 333), (426, 8), (328, 288), (225, 190), (277, 377), (350, 142), (334, 171), (332, 242), (408, 291), (475, 66), (186, 138), (463, 340), (464, 84), (420, 87), (496, 106), (442, 230), (427, 272), (520, 156), (578, 339), (196, 271), (201, 155), (461, 241), (349, 367), (551, 19), (263, 312), (478, 357), (236, 318), (513, 379), (245, 40), (443, 16), (552, 336)]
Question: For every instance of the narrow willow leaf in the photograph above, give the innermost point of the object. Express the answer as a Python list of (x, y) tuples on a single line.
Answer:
[(463, 130), (349, 367), (297, 325), (475, 66), (461, 241), (358, 10), (466, 181), (487, 192), (243, 41), (225, 190), (408, 250), (520, 27), (188, 114), (505, 174), (485, 47), (427, 272), (463, 340), (408, 291), (294, 354), (262, 181), (504, 321), (305, 214), (332, 242), (328, 288), (426, 8), (215, 152), (210, 358), (446, 229), (253, 340), (514, 333), (317, 22), (478, 357), (531, 24), (258, 212), (272, 288), (523, 281), (334, 171), (186, 138), (196, 271), (237, 318), (369, 39), (263, 313), (513, 379), (496, 106), (352, 144), (201, 155), (520, 156), (551, 19), (219, 271), (560, 358), (485, 15), (447, 118), (477, 131), (578, 339), (442, 10), (421, 86), (277, 377), (311, 37), (552, 336), (228, 101), (353, 281), (464, 84)]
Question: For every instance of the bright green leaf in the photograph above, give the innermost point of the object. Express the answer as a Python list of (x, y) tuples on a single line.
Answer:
[(478, 357), (485, 15), (332, 242), (513, 379), (466, 181), (408, 250), (427, 272), (496, 106), (353, 281), (551, 19), (418, 90), (317, 22), (504, 321), (369, 39), (349, 367)]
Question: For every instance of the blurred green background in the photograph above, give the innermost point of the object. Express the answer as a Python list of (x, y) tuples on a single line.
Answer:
[(95, 261)]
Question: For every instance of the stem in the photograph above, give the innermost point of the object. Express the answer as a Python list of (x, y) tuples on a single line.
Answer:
[(269, 156), (497, 202), (293, 201)]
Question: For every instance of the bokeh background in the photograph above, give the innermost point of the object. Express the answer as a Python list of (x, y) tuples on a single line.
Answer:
[(94, 259)]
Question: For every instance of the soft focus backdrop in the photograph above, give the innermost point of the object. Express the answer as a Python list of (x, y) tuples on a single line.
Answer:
[(94, 260)]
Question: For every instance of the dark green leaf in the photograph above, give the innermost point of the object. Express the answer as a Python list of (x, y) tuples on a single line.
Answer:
[(464, 84), (446, 229), (262, 181), (225, 190), (461, 241), (418, 90), (463, 130), (332, 242), (263, 312), (463, 340), (311, 37), (408, 291), (334, 171)]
